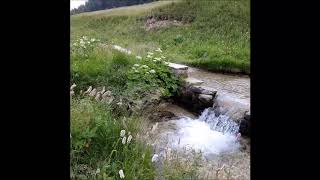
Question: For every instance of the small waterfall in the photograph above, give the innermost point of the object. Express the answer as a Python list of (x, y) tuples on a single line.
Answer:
[(211, 133), (221, 123)]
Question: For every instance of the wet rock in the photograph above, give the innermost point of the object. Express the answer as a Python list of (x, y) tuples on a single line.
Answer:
[(203, 90), (192, 81), (231, 107), (247, 115), (245, 124), (244, 127), (207, 100), (196, 98)]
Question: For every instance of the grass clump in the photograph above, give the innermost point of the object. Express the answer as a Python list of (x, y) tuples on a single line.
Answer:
[(98, 150)]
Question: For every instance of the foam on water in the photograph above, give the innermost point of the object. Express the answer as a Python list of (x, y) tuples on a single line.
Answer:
[(199, 136), (209, 134)]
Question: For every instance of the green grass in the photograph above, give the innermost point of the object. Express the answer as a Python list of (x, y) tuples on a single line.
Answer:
[(102, 67), (95, 125), (215, 35), (96, 143)]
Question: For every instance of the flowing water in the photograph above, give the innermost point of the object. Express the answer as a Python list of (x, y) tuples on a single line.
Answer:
[(209, 134), (214, 133), (234, 87)]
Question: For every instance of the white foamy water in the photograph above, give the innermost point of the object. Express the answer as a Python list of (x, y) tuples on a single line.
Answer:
[(198, 135), (209, 134)]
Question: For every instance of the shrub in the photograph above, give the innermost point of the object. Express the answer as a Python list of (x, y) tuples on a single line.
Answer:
[(153, 73)]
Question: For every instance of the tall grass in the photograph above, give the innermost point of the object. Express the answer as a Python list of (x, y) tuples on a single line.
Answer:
[(96, 146), (97, 149), (214, 35), (102, 67)]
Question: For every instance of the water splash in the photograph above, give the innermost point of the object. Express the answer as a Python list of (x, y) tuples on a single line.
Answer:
[(209, 134), (220, 123)]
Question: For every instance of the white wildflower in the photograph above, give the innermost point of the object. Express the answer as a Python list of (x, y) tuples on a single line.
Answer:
[(149, 56), (98, 96), (75, 44), (138, 57), (73, 86), (155, 158), (158, 50), (136, 65), (107, 93), (163, 57), (119, 103), (93, 39), (136, 71), (150, 53), (103, 90), (124, 140), (144, 66), (117, 47), (93, 92), (157, 58), (98, 171), (129, 139), (154, 60), (122, 133), (88, 90), (121, 174), (152, 71), (133, 68)]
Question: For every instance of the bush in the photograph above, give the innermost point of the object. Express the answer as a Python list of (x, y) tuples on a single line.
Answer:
[(153, 73)]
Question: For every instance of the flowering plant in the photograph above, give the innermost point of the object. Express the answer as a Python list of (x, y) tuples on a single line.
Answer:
[(152, 72), (83, 46)]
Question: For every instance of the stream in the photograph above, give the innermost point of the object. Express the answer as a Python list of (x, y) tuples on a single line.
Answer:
[(214, 133)]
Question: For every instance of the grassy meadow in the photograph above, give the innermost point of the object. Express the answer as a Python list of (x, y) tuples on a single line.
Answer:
[(213, 35)]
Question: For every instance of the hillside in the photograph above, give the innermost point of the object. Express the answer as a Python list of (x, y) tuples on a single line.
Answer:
[(118, 99), (214, 35)]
